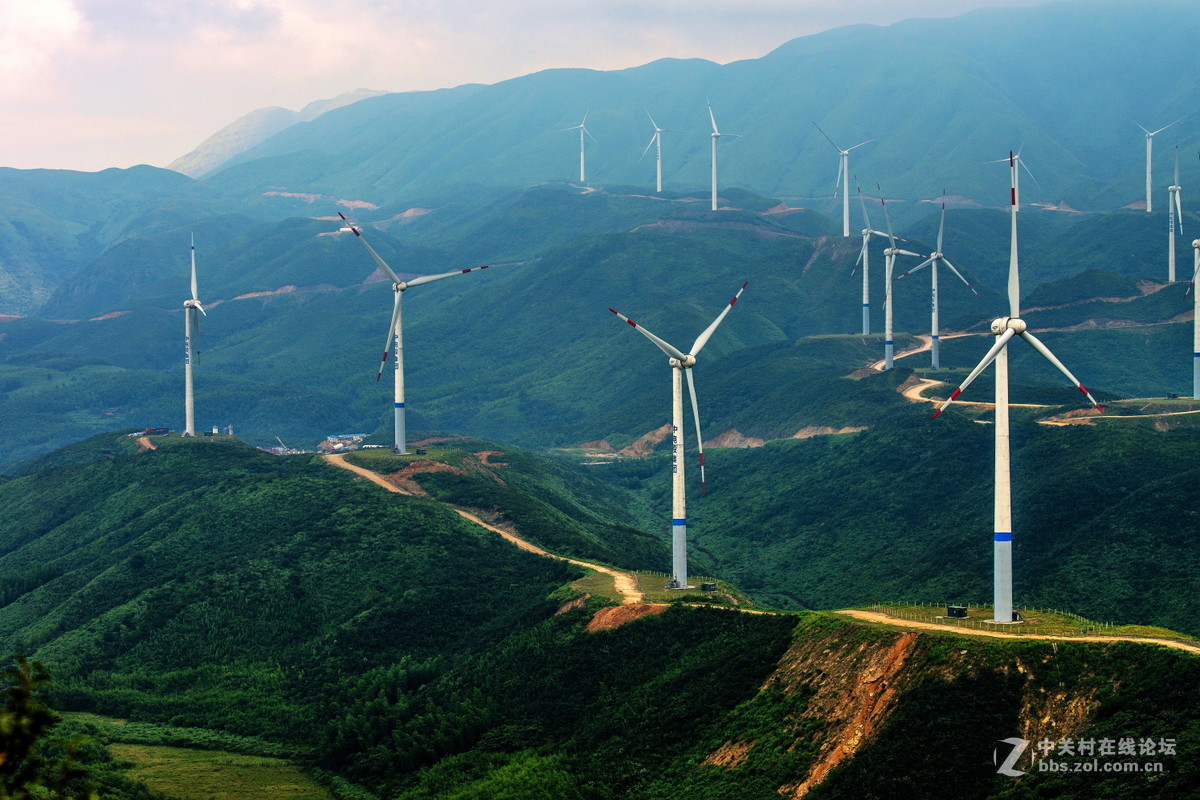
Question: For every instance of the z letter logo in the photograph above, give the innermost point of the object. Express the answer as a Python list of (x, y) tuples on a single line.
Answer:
[(1018, 749)]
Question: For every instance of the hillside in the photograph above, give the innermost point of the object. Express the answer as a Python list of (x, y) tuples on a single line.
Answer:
[(224, 598)]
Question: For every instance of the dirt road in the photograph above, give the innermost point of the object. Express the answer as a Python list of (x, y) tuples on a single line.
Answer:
[(625, 582), (886, 619), (144, 444)]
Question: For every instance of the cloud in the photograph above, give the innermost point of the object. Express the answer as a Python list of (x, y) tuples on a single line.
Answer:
[(31, 36)]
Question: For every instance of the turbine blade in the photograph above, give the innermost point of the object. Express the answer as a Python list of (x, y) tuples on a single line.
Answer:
[(589, 134), (387, 346), (1164, 127), (1176, 166), (647, 150), (823, 133), (714, 120), (703, 338), (195, 335), (954, 269), (196, 291), (699, 439), (202, 311), (886, 216), (1014, 271), (860, 144), (669, 349), (921, 266), (1045, 351), (863, 203), (942, 224), (838, 181), (378, 259), (652, 122), (423, 279), (1001, 340), (1179, 209)]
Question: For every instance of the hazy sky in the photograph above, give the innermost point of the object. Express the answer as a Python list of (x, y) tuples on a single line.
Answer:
[(89, 84)]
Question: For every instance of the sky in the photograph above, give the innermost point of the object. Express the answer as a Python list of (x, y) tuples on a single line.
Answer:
[(92, 84)]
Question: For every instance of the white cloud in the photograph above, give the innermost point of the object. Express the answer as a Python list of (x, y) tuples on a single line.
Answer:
[(32, 34)]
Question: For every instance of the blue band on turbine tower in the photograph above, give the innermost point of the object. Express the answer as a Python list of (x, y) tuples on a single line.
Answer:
[(678, 522), (399, 405), (1003, 537)]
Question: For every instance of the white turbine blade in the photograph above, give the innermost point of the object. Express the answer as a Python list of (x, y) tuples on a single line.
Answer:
[(1140, 125), (1014, 271), (699, 439), (387, 346), (647, 150), (652, 122), (423, 279), (1027, 172), (861, 252), (703, 338), (664, 346), (909, 253), (1176, 166), (942, 224), (589, 134), (1045, 351), (1001, 340), (863, 203), (378, 259), (714, 120), (823, 133), (1164, 127), (860, 144), (1179, 210), (886, 216), (202, 311), (837, 183), (195, 335), (196, 290), (959, 274), (917, 268)]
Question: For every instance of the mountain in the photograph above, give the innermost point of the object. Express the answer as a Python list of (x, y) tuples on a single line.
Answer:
[(245, 132), (219, 597), (940, 97)]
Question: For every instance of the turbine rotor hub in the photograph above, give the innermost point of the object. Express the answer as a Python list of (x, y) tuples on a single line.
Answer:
[(935, 255), (1001, 324), (688, 362), (399, 287), (1196, 243), (191, 303)]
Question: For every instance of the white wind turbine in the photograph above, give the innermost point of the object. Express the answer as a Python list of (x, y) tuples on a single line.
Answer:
[(864, 258), (1149, 160), (680, 363), (1175, 216), (843, 177), (716, 134), (1005, 328), (936, 258), (395, 336), (889, 266), (191, 326), (656, 142), (582, 128)]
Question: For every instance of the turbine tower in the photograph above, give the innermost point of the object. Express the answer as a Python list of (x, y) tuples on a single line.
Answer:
[(889, 266), (843, 175), (716, 134), (395, 336), (680, 363), (582, 128), (1005, 328), (1195, 320), (191, 326), (1174, 217), (655, 141), (936, 258), (1149, 160)]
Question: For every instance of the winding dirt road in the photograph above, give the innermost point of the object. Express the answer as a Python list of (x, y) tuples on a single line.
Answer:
[(886, 619), (625, 583)]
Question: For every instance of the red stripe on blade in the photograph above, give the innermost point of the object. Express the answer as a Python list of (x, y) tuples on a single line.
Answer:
[(957, 392)]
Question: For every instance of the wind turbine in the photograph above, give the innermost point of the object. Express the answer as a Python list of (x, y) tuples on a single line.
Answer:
[(1149, 152), (582, 128), (681, 363), (889, 266), (864, 258), (1175, 209), (395, 336), (1005, 328), (936, 258), (716, 134), (191, 321), (843, 175), (656, 141)]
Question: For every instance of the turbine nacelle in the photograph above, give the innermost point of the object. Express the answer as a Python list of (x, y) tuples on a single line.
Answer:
[(1002, 324), (687, 362), (936, 255)]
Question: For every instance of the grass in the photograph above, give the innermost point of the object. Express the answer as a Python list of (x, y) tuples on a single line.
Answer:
[(654, 586), (216, 775), (384, 461), (597, 584), (1038, 622)]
